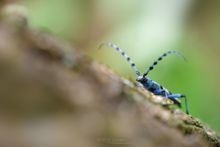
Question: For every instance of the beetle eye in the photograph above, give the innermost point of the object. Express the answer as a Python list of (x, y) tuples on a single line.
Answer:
[(143, 80)]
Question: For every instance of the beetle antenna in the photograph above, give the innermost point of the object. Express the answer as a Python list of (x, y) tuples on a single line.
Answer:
[(133, 66), (150, 68)]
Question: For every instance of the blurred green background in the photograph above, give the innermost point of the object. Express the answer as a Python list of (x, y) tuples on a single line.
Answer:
[(145, 29)]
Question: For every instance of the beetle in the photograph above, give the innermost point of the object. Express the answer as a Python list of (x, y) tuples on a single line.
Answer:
[(149, 84)]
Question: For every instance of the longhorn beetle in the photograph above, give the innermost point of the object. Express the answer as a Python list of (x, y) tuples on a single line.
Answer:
[(149, 84)]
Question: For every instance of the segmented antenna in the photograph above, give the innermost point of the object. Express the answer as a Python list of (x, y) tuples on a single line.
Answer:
[(161, 58), (133, 66)]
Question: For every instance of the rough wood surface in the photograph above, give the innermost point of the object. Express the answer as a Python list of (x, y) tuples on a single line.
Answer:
[(51, 95)]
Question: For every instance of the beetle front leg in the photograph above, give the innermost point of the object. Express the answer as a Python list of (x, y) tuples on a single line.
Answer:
[(175, 98)]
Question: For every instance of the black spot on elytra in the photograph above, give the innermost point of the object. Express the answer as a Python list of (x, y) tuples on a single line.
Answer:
[(152, 89), (160, 58), (133, 64), (128, 59), (155, 63), (123, 53)]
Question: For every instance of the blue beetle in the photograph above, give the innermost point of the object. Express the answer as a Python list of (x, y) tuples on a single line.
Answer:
[(149, 84)]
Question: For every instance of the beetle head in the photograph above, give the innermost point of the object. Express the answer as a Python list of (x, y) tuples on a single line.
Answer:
[(141, 79)]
